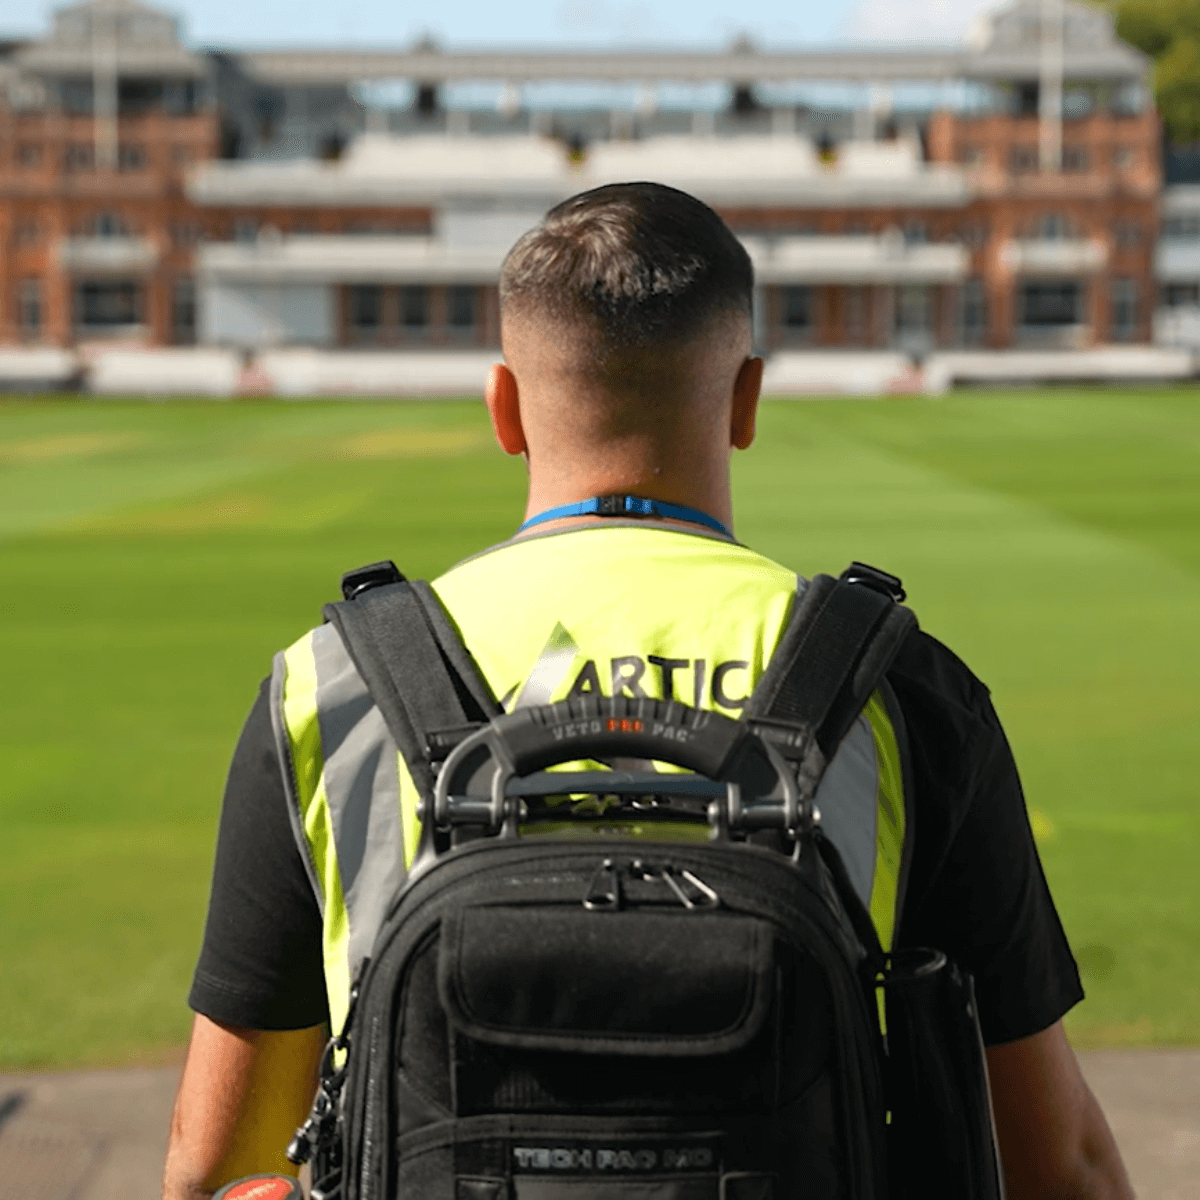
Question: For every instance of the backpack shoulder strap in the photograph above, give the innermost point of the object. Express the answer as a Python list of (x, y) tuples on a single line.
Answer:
[(843, 635), (419, 673)]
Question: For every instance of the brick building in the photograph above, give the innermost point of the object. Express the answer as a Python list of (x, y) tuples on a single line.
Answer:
[(152, 193), (99, 124)]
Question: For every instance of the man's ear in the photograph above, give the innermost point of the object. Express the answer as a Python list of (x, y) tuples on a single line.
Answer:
[(503, 402), (746, 388)]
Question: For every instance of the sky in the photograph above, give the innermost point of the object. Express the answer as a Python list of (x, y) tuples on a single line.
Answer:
[(463, 24)]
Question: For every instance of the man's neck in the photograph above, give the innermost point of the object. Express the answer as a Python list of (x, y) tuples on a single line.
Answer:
[(713, 502)]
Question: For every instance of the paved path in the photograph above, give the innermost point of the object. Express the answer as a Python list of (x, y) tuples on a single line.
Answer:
[(99, 1135)]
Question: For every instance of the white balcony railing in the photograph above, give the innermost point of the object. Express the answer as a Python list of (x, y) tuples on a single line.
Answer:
[(108, 255), (1177, 259), (1068, 256)]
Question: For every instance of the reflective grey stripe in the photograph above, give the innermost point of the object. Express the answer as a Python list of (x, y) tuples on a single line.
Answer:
[(362, 790), (283, 745), (848, 800)]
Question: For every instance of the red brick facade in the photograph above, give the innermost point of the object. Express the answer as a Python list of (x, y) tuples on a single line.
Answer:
[(1105, 198), (50, 191)]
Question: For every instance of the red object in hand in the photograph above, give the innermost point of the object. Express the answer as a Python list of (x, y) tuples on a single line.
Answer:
[(262, 1187)]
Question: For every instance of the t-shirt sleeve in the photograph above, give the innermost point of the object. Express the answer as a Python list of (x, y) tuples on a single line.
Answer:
[(260, 962), (976, 888)]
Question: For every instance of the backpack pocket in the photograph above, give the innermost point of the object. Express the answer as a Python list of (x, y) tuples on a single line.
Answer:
[(565, 980), (942, 1135)]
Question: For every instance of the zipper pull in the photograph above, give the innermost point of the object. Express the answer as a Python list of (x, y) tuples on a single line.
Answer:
[(604, 891)]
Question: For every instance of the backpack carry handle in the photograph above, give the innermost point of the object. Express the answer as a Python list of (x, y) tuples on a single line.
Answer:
[(594, 727), (748, 784)]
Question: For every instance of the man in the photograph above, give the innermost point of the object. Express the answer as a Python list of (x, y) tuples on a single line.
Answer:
[(628, 371)]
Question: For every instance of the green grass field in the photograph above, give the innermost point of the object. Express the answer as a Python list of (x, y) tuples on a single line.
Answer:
[(154, 556)]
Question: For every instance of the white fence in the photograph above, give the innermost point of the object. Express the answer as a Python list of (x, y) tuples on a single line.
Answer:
[(303, 372)]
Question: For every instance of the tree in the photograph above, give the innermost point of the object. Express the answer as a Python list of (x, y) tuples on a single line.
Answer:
[(1177, 89), (1169, 31)]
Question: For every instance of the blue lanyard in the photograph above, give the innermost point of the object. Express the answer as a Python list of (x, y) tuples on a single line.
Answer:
[(626, 506)]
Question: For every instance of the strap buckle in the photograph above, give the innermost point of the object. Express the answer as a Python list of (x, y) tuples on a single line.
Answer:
[(611, 506), (354, 583), (875, 579)]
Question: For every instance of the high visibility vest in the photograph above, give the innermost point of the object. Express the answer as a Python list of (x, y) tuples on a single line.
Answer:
[(605, 609)]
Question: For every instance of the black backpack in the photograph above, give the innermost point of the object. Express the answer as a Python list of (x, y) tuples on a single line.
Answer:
[(607, 1018)]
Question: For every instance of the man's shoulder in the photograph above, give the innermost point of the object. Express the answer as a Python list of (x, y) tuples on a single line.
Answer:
[(926, 664), (948, 714)]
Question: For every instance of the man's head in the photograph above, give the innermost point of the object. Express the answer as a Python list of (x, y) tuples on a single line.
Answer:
[(626, 324), (632, 267)]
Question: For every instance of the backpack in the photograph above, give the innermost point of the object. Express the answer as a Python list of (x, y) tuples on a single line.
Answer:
[(609, 1018)]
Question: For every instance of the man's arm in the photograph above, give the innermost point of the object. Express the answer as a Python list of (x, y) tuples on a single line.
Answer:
[(243, 1094), (1054, 1140)]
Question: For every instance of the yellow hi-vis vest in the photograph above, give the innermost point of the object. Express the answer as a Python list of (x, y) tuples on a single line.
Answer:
[(607, 609)]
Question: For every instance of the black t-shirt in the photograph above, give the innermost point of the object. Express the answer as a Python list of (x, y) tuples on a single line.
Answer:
[(975, 887)]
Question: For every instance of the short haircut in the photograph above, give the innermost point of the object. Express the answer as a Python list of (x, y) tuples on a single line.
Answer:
[(641, 264)]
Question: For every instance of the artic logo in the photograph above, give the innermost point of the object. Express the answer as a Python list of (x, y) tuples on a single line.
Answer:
[(654, 677)]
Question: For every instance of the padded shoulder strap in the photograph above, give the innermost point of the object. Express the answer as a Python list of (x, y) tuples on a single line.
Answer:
[(841, 639), (415, 666)]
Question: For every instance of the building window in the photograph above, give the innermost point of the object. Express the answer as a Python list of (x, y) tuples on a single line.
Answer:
[(366, 308), (245, 229), (974, 311), (180, 99), (29, 307), (460, 307), (1054, 227), (79, 156), (183, 312), (1182, 227), (185, 235), (181, 155), (269, 106), (1075, 159), (1025, 100), (1023, 160), (131, 158), (107, 304), (107, 225), (857, 316), (26, 233), (972, 156), (797, 308), (914, 309), (1123, 157), (974, 236), (1077, 103), (1124, 310), (1181, 295), (414, 307), (1050, 304), (75, 95), (1127, 234), (331, 148), (29, 156), (916, 233), (138, 96), (230, 140), (1129, 99)]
